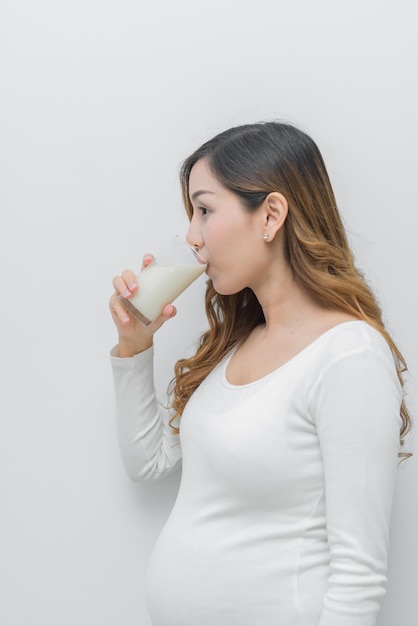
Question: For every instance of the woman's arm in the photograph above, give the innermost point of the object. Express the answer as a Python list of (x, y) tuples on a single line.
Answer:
[(355, 406), (147, 443), (148, 446)]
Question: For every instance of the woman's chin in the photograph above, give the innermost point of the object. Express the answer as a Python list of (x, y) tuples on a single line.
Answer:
[(224, 290)]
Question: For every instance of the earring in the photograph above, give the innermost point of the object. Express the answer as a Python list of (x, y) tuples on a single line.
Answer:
[(266, 236)]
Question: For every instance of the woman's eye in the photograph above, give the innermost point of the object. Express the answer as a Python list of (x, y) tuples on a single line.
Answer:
[(203, 210)]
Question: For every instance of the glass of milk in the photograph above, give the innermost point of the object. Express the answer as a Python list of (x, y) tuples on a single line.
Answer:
[(165, 278)]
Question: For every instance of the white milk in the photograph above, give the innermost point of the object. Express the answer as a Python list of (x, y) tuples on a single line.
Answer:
[(161, 284)]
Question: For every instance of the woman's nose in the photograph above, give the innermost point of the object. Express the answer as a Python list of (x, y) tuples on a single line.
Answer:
[(193, 235)]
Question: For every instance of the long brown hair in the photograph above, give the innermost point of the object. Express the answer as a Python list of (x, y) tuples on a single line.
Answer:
[(252, 161)]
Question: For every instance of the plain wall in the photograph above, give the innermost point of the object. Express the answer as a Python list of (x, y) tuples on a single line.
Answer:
[(100, 102)]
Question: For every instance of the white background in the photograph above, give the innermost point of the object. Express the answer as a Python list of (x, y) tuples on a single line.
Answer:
[(100, 102)]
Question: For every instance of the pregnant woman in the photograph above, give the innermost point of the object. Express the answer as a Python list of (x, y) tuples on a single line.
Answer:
[(289, 419)]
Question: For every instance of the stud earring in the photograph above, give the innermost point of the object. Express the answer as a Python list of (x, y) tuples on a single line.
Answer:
[(266, 236)]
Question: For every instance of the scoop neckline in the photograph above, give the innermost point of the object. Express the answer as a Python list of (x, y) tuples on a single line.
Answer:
[(304, 350)]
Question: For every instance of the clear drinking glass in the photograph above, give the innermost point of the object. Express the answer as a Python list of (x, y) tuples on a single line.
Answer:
[(173, 269)]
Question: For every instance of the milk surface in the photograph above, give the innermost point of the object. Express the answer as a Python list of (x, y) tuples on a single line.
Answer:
[(161, 284)]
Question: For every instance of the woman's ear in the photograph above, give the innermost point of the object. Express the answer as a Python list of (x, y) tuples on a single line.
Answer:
[(276, 209)]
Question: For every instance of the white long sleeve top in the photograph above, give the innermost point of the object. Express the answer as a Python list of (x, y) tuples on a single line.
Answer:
[(283, 512)]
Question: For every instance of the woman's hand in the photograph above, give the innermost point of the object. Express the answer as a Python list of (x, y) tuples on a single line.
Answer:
[(134, 337)]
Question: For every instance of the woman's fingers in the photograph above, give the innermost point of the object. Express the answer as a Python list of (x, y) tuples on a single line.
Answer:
[(117, 309), (126, 284), (147, 259)]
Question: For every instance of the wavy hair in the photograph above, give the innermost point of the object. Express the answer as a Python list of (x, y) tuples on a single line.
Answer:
[(252, 161)]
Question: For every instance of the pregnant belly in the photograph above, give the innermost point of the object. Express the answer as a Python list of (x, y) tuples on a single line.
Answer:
[(201, 577)]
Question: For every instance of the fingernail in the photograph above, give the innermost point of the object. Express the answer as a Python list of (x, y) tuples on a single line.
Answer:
[(124, 319), (132, 286), (126, 293)]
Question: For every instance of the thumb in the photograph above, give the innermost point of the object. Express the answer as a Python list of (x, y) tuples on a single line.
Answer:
[(167, 313)]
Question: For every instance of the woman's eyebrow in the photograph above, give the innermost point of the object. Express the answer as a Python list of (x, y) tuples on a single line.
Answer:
[(199, 193)]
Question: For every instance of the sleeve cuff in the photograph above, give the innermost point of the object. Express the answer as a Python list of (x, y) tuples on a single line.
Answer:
[(138, 360)]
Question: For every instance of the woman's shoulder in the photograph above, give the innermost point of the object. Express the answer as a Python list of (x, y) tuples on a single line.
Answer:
[(350, 350), (354, 363), (354, 336)]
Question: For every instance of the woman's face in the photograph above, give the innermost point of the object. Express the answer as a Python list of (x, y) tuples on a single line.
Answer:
[(229, 237)]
